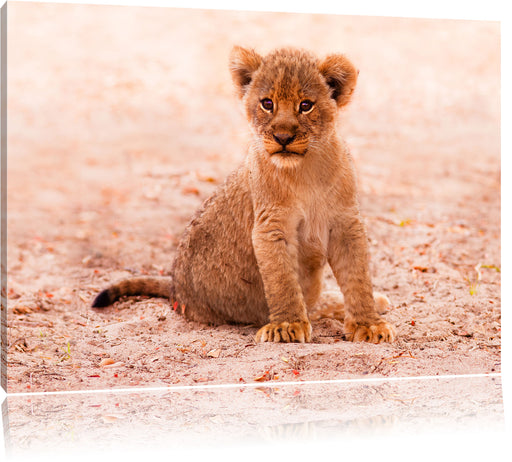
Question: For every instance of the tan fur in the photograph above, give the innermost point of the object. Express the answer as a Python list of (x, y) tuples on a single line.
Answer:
[(255, 251)]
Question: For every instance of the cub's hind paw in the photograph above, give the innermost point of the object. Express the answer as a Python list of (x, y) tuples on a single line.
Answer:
[(380, 332), (299, 331), (382, 303)]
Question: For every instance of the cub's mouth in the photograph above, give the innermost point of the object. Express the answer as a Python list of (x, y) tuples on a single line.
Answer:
[(287, 153)]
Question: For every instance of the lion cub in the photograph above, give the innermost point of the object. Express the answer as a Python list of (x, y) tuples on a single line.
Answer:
[(255, 251)]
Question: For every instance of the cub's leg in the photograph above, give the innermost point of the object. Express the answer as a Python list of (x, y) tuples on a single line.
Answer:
[(348, 258), (332, 305), (275, 247)]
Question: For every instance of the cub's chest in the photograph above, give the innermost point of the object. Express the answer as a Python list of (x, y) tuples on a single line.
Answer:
[(313, 232)]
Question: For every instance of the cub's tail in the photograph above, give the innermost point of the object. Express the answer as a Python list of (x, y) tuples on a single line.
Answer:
[(144, 285)]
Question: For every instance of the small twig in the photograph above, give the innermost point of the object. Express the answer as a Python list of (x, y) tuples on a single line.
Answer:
[(243, 348)]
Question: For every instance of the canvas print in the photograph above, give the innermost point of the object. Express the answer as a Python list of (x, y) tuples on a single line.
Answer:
[(202, 197)]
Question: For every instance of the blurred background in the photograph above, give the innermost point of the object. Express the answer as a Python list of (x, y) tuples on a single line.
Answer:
[(90, 86)]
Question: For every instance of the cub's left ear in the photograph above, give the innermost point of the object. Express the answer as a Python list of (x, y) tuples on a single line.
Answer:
[(341, 75), (243, 62)]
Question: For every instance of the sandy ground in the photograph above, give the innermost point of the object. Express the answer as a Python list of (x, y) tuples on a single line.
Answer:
[(122, 120)]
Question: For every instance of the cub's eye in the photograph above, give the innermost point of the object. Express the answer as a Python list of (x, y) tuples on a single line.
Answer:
[(267, 104), (306, 106)]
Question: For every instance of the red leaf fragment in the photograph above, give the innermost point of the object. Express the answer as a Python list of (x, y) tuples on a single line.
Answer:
[(190, 190), (263, 378)]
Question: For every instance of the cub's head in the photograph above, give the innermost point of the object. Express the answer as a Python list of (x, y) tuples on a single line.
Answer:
[(291, 97)]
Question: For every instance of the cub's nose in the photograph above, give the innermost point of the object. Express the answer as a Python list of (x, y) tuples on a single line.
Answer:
[(284, 138)]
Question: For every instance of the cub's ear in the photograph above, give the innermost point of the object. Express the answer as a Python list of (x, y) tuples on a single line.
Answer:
[(341, 75), (243, 63)]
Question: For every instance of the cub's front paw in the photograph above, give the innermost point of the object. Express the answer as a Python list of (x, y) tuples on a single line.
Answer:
[(379, 332), (299, 331)]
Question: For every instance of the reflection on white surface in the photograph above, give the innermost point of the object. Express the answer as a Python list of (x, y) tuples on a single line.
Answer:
[(205, 418)]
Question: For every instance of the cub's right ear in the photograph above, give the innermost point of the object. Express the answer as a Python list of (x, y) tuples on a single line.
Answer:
[(243, 63)]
